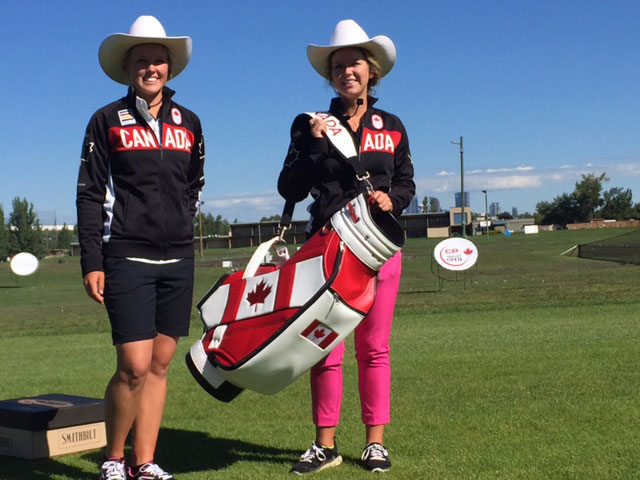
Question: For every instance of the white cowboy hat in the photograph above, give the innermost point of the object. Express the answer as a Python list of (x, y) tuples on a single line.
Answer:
[(146, 29), (349, 34)]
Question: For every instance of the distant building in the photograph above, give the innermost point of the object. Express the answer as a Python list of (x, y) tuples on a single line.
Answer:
[(466, 199), (430, 225), (494, 209), (456, 218), (57, 228), (413, 206), (435, 205), (514, 212)]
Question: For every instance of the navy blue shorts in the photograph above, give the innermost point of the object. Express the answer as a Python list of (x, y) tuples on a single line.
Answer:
[(144, 299)]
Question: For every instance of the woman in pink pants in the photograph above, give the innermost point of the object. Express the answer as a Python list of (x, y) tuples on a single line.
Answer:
[(372, 354), (353, 63)]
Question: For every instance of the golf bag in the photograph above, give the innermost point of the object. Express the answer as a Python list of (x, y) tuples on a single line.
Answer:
[(267, 325)]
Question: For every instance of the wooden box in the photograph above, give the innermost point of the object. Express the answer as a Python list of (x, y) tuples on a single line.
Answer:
[(50, 425)]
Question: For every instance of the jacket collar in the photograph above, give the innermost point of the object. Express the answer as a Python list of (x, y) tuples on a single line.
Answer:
[(167, 93), (336, 109)]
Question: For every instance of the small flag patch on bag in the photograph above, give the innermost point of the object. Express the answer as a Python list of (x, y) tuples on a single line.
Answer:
[(319, 334)]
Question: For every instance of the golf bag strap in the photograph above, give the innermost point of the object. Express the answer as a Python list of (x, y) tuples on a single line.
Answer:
[(342, 140), (287, 215)]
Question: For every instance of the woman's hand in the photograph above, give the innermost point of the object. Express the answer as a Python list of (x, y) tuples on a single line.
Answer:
[(94, 285), (318, 127), (380, 200)]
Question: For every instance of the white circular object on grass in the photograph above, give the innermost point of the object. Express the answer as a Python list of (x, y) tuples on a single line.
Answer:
[(23, 264), (455, 254)]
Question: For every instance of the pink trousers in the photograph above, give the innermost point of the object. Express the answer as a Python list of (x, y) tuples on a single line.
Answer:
[(371, 339)]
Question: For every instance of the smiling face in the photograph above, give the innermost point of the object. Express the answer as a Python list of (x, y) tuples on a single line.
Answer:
[(148, 68), (350, 73)]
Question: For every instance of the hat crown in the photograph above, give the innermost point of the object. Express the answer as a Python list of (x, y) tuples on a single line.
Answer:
[(146, 29), (147, 26), (348, 32)]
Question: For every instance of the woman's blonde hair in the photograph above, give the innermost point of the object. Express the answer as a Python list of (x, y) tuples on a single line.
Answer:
[(374, 68)]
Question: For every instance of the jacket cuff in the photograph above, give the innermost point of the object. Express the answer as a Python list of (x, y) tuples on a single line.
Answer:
[(91, 265), (396, 206)]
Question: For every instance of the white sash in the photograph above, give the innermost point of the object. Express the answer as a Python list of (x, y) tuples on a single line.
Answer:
[(337, 134)]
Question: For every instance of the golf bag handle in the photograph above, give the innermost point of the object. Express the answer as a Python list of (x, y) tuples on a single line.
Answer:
[(258, 257)]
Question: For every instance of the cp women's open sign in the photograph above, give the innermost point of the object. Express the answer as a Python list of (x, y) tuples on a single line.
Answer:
[(456, 254)]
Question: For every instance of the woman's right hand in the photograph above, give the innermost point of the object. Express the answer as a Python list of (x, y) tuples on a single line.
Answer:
[(318, 127), (94, 285)]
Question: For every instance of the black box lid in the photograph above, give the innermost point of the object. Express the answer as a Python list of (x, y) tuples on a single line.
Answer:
[(54, 410)]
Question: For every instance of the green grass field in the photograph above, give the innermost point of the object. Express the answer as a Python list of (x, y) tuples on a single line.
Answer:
[(528, 367)]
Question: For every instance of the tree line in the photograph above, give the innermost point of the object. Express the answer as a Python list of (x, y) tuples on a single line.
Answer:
[(211, 225), (588, 201), (23, 232)]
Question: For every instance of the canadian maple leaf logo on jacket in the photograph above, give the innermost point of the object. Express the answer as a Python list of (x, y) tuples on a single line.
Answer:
[(468, 251), (259, 295)]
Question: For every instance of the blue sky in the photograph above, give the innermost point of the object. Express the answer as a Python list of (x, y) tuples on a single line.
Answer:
[(542, 92)]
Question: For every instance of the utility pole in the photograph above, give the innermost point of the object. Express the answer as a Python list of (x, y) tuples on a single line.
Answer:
[(486, 216), (463, 216)]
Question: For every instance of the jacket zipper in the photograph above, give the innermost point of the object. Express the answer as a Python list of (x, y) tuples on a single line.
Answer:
[(164, 240)]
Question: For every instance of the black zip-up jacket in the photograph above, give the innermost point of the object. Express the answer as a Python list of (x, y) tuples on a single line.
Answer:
[(313, 165), (137, 196)]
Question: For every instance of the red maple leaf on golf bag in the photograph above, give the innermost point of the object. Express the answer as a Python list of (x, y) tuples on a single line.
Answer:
[(259, 295), (319, 333)]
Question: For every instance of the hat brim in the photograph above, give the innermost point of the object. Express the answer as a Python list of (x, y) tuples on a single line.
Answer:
[(114, 48), (381, 47)]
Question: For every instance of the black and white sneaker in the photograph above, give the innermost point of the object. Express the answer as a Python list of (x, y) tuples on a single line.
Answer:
[(376, 458), (150, 471), (316, 459), (113, 470)]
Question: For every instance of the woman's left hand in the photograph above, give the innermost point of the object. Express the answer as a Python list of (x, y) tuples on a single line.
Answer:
[(380, 200), (318, 127)]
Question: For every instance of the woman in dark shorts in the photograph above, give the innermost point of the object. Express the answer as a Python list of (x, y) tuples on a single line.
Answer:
[(140, 177)]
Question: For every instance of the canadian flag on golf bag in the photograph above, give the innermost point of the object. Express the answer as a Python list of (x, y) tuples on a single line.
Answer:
[(267, 325)]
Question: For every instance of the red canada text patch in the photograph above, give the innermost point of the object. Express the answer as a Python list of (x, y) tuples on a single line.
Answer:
[(123, 139), (380, 141)]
